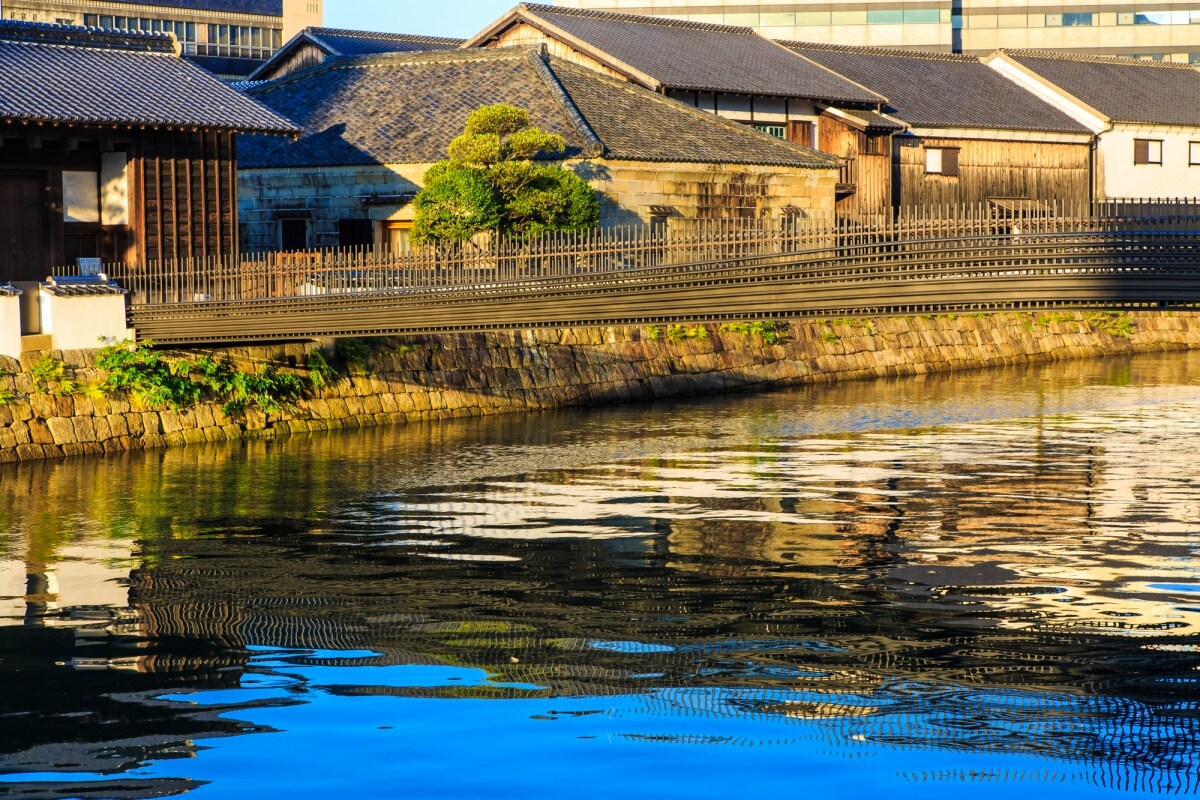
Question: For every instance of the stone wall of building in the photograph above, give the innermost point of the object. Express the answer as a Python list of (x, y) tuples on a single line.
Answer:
[(326, 196), (458, 375)]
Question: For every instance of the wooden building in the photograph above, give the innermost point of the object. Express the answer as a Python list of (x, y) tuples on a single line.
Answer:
[(313, 46), (114, 147), (1145, 116), (726, 70), (963, 136)]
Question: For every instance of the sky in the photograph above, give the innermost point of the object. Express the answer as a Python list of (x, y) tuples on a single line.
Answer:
[(460, 18)]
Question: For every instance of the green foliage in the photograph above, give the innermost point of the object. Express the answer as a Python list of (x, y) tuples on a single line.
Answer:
[(1115, 323), (770, 331), (654, 333), (46, 370), (176, 382), (490, 183), (353, 352), (457, 203), (143, 372), (66, 388), (830, 336), (319, 371), (680, 333)]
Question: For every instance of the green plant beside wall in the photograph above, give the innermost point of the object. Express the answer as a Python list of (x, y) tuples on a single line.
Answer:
[(770, 331), (178, 382)]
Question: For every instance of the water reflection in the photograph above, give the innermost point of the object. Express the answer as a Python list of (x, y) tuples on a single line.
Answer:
[(986, 579)]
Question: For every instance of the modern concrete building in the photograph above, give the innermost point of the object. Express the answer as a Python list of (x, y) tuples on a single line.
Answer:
[(227, 37), (1161, 31)]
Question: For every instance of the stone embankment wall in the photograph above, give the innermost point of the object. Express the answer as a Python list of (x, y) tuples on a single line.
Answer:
[(458, 375)]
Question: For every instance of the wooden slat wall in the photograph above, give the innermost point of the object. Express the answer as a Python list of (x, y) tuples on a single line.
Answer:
[(872, 198), (189, 195), (989, 168)]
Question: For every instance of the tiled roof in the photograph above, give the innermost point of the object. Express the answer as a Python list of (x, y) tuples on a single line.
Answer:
[(695, 56), (64, 75), (941, 90), (639, 125), (406, 109), (340, 42), (1123, 89), (267, 8)]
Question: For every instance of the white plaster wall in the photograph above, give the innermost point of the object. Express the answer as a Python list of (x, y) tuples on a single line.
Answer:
[(10, 326), (1172, 179), (78, 323)]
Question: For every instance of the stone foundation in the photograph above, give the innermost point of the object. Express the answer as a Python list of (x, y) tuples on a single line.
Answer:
[(458, 375)]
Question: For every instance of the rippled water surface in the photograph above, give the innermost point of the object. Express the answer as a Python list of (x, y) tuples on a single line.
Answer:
[(982, 585)]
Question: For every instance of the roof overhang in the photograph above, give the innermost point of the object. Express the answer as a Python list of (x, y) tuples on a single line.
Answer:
[(521, 14), (1047, 91), (138, 125), (1001, 135), (289, 47)]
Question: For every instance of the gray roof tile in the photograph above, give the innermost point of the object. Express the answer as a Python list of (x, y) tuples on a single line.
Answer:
[(700, 57), (406, 108), (941, 90), (341, 42), (64, 75), (1123, 89)]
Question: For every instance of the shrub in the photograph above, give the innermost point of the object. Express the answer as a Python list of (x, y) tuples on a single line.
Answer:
[(490, 183), (46, 370), (770, 331)]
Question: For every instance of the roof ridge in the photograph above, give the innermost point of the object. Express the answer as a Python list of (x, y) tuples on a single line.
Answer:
[(391, 37), (927, 55), (649, 96), (640, 19), (80, 36), (538, 57), (1122, 61), (386, 59)]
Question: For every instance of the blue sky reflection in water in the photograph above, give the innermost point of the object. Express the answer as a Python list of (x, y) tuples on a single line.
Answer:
[(977, 585)]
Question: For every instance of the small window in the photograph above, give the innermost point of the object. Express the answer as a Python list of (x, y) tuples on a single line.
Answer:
[(778, 131), (293, 235), (875, 144), (356, 233), (1147, 151), (1194, 154), (1081, 19), (941, 161), (398, 234)]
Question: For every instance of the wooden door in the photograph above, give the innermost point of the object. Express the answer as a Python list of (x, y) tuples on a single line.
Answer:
[(24, 240)]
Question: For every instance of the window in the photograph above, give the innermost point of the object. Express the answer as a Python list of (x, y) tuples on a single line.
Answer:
[(885, 17), (397, 236), (293, 234), (941, 161), (1194, 154), (875, 144), (356, 233), (778, 131), (1079, 19), (1147, 151)]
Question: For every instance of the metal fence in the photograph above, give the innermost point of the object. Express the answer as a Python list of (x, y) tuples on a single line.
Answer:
[(990, 257)]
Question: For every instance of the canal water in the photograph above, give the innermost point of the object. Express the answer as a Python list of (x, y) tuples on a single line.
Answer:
[(978, 585)]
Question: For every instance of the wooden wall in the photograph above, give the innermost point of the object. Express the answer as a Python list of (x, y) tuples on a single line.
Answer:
[(525, 34), (306, 55), (869, 173), (188, 194), (991, 169), (181, 190)]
